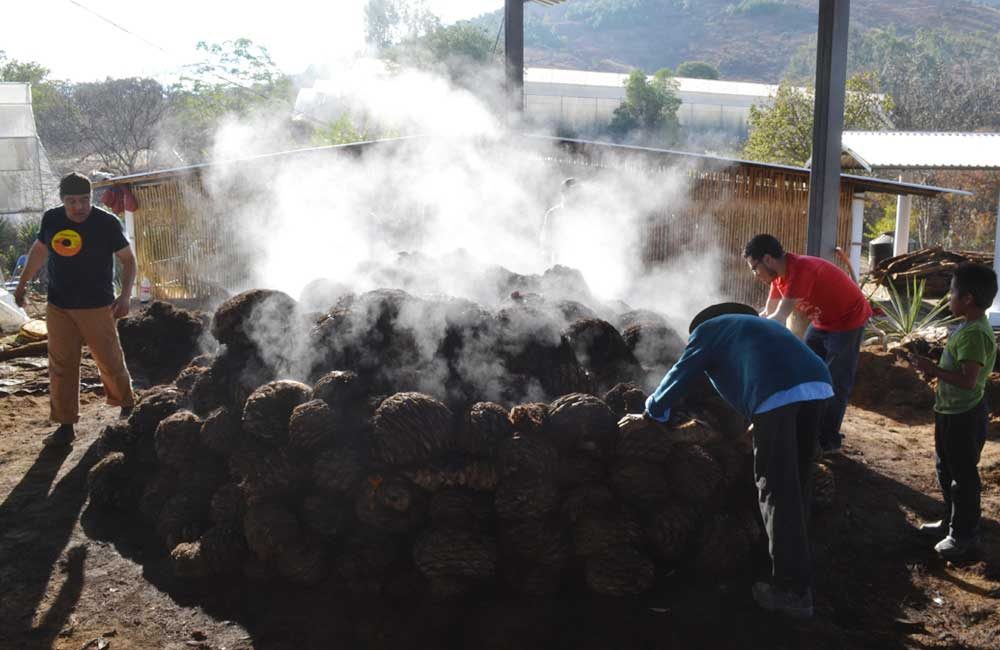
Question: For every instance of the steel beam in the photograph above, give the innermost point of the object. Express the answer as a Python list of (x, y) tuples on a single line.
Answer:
[(513, 42), (828, 126)]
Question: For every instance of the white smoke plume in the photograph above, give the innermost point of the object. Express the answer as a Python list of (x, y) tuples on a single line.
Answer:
[(460, 198)]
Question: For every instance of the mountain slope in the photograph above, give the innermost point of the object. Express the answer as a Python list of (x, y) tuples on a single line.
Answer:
[(749, 40)]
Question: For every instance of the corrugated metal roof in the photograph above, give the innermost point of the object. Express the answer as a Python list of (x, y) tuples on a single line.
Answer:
[(861, 183), (920, 150), (616, 80)]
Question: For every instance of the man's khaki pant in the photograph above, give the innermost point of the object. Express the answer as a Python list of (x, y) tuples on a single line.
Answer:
[(69, 330)]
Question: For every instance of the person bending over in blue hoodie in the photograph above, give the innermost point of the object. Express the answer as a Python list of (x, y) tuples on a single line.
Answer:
[(766, 373)]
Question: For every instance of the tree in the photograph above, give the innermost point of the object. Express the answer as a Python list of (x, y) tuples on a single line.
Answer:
[(648, 114), (118, 120), (457, 52), (387, 22), (782, 131), (697, 70), (235, 78)]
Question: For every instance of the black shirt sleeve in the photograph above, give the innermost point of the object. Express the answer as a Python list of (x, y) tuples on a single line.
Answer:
[(116, 234), (42, 228)]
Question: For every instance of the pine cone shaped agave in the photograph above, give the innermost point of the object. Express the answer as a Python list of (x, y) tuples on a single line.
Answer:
[(624, 398), (187, 561), (461, 471), (735, 461), (268, 527), (824, 488), (365, 563), (228, 505), (454, 552), (303, 562), (601, 350), (620, 571), (527, 453), (183, 518), (253, 317), (459, 507), (177, 438), (392, 506), (220, 432), (581, 422), (594, 533), (155, 494), (526, 495), (153, 406), (670, 530), (117, 437), (641, 484), (530, 418), (588, 499), (326, 516), (224, 548), (346, 395), (651, 443), (486, 426), (411, 428), (339, 472), (268, 409), (111, 483), (310, 427), (726, 541), (694, 475), (540, 541), (263, 471), (577, 469)]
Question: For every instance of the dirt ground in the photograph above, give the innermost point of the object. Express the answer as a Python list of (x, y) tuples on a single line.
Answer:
[(69, 583)]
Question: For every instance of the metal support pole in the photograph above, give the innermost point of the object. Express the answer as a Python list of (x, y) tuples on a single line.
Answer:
[(994, 311), (904, 206), (513, 43), (828, 125), (857, 231)]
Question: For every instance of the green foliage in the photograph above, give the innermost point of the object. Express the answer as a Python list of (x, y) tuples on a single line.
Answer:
[(886, 222), (16, 238), (697, 70), (344, 130), (388, 22), (648, 114), (457, 51), (906, 314), (755, 8), (943, 80), (235, 78), (782, 131)]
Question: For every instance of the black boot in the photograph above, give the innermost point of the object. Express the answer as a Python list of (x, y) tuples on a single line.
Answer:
[(61, 437)]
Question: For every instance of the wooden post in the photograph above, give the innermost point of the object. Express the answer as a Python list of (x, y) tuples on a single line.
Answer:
[(828, 125)]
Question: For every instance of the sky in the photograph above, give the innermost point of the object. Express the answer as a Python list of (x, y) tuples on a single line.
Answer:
[(75, 44)]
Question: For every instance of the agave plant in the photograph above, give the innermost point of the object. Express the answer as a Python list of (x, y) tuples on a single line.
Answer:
[(906, 314)]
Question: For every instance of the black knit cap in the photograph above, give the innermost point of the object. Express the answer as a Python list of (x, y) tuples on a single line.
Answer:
[(721, 309), (75, 183)]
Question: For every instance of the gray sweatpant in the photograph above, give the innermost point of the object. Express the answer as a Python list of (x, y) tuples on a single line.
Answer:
[(784, 441)]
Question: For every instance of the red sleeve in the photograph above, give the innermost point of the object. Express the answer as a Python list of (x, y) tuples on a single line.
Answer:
[(774, 293)]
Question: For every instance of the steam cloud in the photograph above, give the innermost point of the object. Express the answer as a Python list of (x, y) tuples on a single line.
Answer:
[(460, 198)]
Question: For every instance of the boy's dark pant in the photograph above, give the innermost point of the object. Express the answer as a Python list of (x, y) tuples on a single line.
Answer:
[(784, 441), (958, 442), (840, 351)]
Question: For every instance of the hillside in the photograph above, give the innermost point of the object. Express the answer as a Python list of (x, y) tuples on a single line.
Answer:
[(750, 40)]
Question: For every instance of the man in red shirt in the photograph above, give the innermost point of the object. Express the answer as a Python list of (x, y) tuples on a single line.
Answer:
[(837, 311)]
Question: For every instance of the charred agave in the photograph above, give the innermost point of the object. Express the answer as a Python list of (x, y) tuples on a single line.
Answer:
[(258, 316), (392, 505), (411, 428), (310, 427), (269, 408), (177, 438), (455, 552), (111, 483), (581, 422), (485, 427), (620, 571)]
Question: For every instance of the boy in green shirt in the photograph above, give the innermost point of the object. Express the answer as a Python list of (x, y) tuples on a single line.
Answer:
[(960, 412)]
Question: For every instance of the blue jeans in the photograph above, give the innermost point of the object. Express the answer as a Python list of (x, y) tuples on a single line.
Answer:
[(840, 350)]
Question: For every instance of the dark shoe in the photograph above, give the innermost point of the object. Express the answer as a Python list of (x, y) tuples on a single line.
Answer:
[(780, 601), (61, 437), (937, 529), (951, 548), (833, 450), (125, 412)]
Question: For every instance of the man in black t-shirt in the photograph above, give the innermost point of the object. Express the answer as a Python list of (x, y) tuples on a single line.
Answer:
[(79, 243)]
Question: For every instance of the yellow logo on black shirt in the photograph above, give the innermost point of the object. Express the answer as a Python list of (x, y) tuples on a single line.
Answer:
[(67, 243)]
